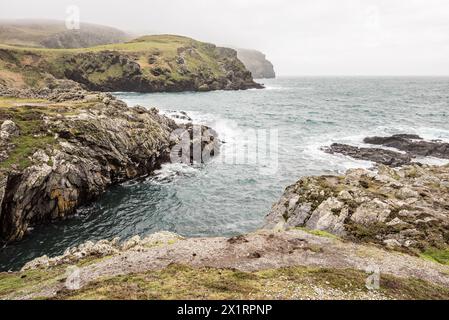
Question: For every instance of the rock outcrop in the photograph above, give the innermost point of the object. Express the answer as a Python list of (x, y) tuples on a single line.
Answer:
[(62, 152), (408, 147), (413, 145), (405, 209), (257, 63), (377, 155)]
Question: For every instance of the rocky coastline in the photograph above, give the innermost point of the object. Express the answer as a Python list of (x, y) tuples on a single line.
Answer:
[(74, 144), (63, 148)]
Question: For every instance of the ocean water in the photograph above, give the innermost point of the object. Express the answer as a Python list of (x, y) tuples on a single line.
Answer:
[(226, 196)]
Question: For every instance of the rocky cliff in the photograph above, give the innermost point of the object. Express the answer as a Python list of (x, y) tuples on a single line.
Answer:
[(147, 64), (257, 63), (60, 150)]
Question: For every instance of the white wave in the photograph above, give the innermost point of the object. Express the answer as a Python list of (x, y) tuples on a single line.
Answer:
[(333, 162), (274, 88), (171, 171)]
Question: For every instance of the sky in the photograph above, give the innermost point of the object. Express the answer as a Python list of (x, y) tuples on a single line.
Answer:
[(300, 37)]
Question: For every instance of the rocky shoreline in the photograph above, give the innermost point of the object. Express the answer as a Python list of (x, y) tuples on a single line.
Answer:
[(62, 149), (406, 209)]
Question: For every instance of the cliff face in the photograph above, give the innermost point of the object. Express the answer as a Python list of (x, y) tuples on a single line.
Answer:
[(147, 64), (257, 63), (59, 151)]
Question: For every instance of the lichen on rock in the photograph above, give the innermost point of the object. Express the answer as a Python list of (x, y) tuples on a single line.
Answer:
[(406, 209)]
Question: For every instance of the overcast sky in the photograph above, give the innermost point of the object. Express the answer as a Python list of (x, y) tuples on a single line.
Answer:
[(305, 37)]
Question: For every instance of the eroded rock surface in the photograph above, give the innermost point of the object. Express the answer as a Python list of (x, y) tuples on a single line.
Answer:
[(57, 155), (405, 209)]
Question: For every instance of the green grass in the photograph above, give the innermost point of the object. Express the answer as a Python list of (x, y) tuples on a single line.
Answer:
[(437, 255), (182, 282), (319, 233), (25, 147), (28, 115), (114, 71), (13, 284)]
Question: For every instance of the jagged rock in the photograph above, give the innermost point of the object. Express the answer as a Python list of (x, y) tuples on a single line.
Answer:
[(404, 208), (371, 212), (392, 244), (381, 156), (92, 145), (178, 115), (413, 145), (329, 216)]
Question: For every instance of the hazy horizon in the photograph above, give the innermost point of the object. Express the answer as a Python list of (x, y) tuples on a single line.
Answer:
[(307, 38)]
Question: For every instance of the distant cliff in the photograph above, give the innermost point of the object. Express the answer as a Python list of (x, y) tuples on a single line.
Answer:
[(54, 34), (257, 63)]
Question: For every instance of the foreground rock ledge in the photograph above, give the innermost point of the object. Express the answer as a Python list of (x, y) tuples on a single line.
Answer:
[(62, 149), (268, 264)]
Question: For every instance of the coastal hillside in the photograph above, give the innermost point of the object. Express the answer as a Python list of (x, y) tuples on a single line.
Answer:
[(257, 63), (147, 64), (54, 34)]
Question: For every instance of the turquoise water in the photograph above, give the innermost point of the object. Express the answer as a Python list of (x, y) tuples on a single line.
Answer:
[(225, 198)]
